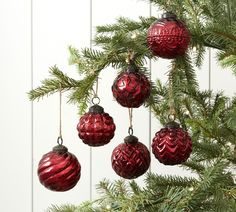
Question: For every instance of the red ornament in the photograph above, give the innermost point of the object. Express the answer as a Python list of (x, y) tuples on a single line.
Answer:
[(96, 128), (59, 170), (131, 88), (130, 159), (168, 37), (172, 145)]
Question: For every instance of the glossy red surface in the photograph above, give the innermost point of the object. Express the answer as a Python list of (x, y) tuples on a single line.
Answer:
[(96, 129), (172, 146), (59, 171), (168, 38), (131, 89), (130, 160)]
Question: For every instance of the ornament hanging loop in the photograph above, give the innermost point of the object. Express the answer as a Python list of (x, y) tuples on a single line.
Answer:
[(95, 100), (60, 140), (172, 117), (130, 131)]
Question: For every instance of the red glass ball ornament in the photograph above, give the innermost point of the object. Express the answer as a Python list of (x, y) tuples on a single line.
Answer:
[(59, 170), (172, 145), (131, 88), (130, 159), (168, 37), (96, 128)]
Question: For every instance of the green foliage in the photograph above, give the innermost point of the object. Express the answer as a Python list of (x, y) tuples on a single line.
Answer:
[(209, 117)]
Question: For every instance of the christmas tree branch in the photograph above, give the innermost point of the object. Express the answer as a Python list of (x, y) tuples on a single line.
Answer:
[(154, 181), (59, 81)]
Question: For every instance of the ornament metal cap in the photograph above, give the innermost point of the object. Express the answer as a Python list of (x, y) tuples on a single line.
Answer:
[(61, 149), (172, 124), (96, 109), (169, 15), (131, 139)]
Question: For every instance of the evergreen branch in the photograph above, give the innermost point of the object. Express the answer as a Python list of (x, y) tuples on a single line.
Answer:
[(59, 81), (83, 92), (193, 166), (207, 149), (154, 181), (229, 61), (63, 208), (135, 187), (126, 25), (209, 179)]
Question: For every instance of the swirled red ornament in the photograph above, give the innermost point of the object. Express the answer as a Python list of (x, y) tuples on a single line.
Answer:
[(168, 37), (96, 128), (130, 159), (131, 88), (59, 170), (172, 145)]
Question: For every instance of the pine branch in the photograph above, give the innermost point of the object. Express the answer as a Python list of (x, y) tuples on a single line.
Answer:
[(59, 81), (157, 181), (211, 177), (63, 208)]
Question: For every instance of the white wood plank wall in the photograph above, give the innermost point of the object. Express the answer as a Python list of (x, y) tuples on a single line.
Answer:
[(35, 35)]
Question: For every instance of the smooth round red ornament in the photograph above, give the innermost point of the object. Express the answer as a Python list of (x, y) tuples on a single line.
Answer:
[(172, 145), (59, 170), (96, 128), (130, 159), (131, 88), (168, 37)]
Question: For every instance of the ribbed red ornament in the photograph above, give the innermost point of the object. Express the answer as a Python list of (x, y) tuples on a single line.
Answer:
[(59, 170), (168, 37), (172, 145), (130, 159), (131, 88), (96, 128)]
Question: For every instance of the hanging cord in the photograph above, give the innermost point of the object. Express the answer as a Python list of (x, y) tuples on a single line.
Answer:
[(130, 130), (96, 99), (172, 112), (60, 139), (130, 57)]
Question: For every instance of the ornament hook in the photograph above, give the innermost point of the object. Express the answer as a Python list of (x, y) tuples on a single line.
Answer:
[(130, 131), (96, 100), (60, 140), (172, 117)]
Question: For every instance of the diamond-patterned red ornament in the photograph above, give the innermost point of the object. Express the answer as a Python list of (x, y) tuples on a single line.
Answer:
[(59, 170), (130, 159), (168, 37), (172, 145), (96, 128), (131, 88)]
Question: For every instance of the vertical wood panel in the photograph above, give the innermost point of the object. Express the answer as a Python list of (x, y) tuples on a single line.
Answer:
[(15, 108), (58, 24)]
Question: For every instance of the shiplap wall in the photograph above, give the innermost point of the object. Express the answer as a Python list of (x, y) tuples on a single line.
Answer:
[(35, 35)]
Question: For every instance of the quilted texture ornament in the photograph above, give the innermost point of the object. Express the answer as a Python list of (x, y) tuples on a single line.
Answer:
[(130, 159), (172, 145), (168, 37), (59, 170), (96, 128), (131, 88)]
